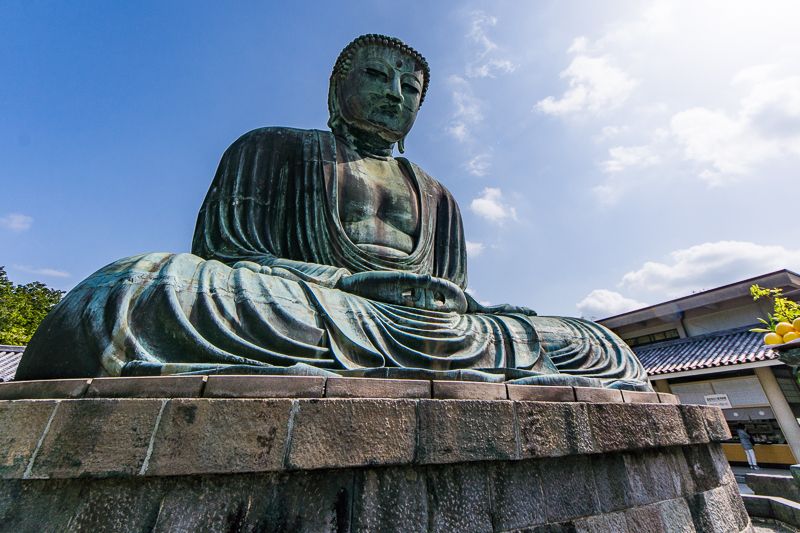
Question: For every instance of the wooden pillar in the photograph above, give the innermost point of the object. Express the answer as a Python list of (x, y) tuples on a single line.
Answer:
[(783, 413)]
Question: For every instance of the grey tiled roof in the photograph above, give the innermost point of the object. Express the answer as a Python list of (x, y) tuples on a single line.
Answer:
[(724, 348), (9, 360)]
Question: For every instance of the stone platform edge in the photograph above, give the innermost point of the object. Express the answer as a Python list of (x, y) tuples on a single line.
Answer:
[(250, 386), (110, 437)]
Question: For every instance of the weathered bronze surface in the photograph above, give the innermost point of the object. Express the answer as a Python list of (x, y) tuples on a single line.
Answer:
[(318, 252)]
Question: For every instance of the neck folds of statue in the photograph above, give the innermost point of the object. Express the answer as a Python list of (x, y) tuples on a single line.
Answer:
[(365, 143)]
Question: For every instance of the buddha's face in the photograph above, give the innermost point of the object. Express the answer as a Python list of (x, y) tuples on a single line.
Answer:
[(380, 94)]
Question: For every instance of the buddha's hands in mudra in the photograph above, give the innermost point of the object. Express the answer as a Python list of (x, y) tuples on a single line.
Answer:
[(405, 288)]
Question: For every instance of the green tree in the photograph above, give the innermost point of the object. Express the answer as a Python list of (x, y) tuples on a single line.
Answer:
[(22, 308)]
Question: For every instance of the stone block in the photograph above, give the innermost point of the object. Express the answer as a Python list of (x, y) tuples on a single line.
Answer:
[(707, 466), (667, 425), (773, 485), (739, 511), (97, 437), (335, 433), (568, 488), (146, 387), (667, 398), (597, 395), (713, 512), (618, 427), (205, 436), (758, 506), (674, 516), (644, 519), (469, 390), (377, 388), (650, 478), (264, 387), (22, 423), (113, 505), (517, 498), (639, 397), (548, 429), (389, 500), (785, 511), (716, 425), (305, 502), (611, 482), (302, 502), (39, 506), (44, 389), (638, 478), (536, 393), (694, 421), (603, 523), (459, 498), (452, 431)]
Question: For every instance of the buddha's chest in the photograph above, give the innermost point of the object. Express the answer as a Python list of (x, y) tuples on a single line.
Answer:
[(379, 192)]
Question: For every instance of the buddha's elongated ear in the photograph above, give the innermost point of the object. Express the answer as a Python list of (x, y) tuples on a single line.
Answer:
[(401, 145)]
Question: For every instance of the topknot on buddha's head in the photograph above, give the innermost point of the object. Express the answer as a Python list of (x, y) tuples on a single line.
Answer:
[(345, 60)]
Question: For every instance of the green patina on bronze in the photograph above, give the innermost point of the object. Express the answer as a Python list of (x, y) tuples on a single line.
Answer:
[(318, 252)]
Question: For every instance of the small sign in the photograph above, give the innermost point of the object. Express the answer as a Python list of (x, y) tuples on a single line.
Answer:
[(718, 400)]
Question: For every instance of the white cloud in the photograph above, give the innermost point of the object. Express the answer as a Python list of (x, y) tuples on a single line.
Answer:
[(486, 64), (467, 111), (602, 303), (490, 206), (709, 265), (727, 103), (16, 222), (48, 272), (474, 249), (729, 145), (624, 157), (596, 85), (478, 165)]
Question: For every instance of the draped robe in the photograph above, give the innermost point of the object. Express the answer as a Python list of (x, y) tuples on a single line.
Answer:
[(258, 293)]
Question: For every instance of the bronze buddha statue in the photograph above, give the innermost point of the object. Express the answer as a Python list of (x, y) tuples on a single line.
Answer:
[(318, 252)]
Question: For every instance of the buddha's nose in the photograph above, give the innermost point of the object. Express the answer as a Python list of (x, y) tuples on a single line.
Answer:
[(394, 92)]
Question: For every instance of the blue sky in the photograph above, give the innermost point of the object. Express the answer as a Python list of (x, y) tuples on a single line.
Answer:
[(605, 156)]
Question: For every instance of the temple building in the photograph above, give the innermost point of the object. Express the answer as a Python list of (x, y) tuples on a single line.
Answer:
[(699, 347)]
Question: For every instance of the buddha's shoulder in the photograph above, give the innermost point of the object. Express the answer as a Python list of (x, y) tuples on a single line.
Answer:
[(278, 134)]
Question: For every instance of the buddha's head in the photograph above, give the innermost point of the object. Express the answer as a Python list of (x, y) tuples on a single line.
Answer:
[(376, 88)]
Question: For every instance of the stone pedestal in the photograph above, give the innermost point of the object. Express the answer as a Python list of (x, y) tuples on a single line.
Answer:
[(321, 459)]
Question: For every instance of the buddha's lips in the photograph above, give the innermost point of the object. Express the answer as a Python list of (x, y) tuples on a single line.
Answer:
[(392, 110)]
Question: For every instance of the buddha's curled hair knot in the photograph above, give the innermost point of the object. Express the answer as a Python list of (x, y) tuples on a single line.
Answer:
[(344, 62)]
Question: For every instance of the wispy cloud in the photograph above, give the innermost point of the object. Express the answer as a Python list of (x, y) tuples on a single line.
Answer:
[(488, 61), (687, 270), (16, 222), (708, 265), (490, 205), (474, 249), (602, 303), (728, 145), (732, 111), (478, 165), (48, 272), (624, 157), (467, 109), (596, 85)]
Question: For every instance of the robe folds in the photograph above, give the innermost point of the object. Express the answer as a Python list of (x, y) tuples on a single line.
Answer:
[(258, 294)]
